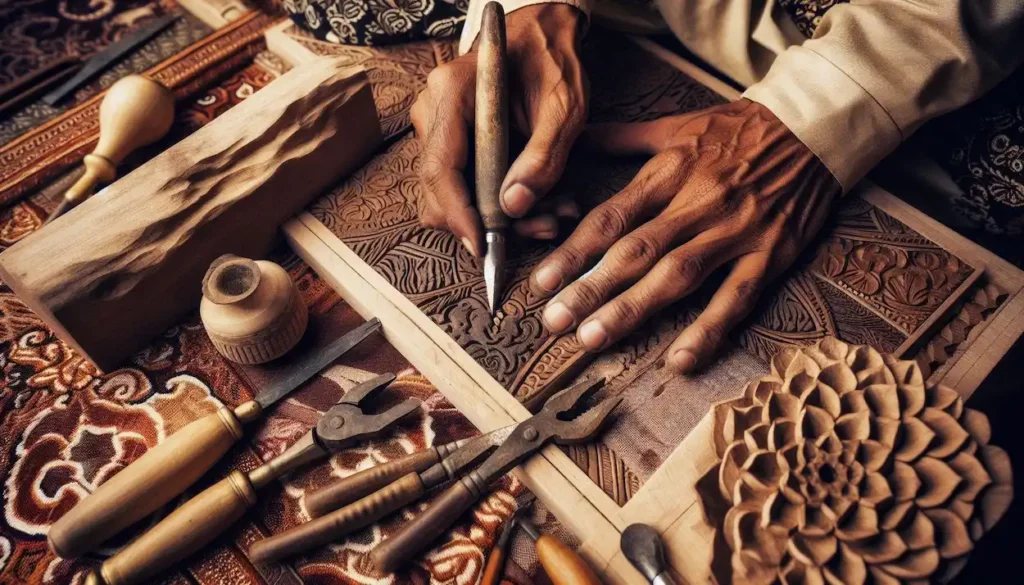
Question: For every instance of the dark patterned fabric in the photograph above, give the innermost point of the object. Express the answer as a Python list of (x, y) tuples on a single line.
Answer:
[(807, 14), (378, 22)]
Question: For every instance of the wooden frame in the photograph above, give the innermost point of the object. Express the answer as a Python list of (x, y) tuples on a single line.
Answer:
[(668, 499)]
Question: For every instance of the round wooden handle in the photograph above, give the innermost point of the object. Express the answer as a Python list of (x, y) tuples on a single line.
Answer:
[(491, 117), (183, 532), (562, 564), (339, 523), (424, 529), (359, 485), (493, 569), (147, 484)]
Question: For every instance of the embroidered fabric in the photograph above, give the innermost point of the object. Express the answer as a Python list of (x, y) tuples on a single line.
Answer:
[(378, 22)]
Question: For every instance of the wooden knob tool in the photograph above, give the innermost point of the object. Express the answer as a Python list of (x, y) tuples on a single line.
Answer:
[(205, 516), (136, 111), (168, 469), (562, 564)]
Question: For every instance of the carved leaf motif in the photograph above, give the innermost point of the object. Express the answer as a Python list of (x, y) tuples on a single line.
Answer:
[(854, 427), (938, 482), (884, 548), (908, 288), (917, 437), (814, 551), (951, 533), (883, 400), (814, 423), (839, 377), (919, 533), (732, 464), (914, 564), (904, 482), (949, 435)]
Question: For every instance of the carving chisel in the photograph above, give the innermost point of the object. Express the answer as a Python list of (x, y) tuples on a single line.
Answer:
[(168, 469), (389, 497), (492, 145), (108, 56)]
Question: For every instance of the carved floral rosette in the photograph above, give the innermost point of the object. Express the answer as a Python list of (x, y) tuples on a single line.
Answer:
[(843, 467)]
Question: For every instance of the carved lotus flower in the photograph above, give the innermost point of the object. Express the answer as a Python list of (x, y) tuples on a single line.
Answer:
[(843, 467)]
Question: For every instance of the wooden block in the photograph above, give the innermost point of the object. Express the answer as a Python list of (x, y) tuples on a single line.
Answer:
[(128, 263)]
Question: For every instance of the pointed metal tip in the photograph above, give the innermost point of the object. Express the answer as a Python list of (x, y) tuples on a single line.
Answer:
[(494, 269)]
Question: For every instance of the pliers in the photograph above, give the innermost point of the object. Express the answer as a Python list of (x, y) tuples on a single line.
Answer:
[(202, 518)]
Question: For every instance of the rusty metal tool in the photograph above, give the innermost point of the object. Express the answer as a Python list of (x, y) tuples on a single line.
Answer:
[(202, 518), (393, 494), (563, 565), (555, 422), (642, 545), (168, 469), (492, 145)]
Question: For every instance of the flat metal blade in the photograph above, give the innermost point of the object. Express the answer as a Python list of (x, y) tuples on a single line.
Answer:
[(494, 269), (471, 452), (312, 362), (108, 56)]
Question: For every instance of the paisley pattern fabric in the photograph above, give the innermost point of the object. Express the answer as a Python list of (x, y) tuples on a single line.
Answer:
[(378, 22)]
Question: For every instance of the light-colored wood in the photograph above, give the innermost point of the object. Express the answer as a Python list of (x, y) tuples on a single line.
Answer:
[(667, 500), (180, 534), (563, 566), (136, 111), (154, 479), (252, 311), (281, 42), (121, 268), (216, 13)]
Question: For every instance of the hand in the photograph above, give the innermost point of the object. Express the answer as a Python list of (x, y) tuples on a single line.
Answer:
[(547, 103), (727, 185)]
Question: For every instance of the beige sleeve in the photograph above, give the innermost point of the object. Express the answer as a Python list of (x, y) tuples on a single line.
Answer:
[(476, 8), (876, 70)]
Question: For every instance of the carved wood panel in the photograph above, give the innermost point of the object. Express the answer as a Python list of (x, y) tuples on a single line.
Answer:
[(870, 280)]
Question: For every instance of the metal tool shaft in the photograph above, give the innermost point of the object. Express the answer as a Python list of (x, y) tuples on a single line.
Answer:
[(492, 144)]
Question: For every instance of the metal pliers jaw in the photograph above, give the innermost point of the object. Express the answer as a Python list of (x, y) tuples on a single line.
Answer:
[(346, 424)]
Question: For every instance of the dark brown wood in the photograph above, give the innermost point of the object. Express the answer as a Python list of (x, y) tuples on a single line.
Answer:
[(359, 485), (122, 267), (340, 523), (491, 117), (417, 535)]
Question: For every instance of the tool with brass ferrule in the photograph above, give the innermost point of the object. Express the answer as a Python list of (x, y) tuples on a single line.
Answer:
[(168, 469), (555, 422), (492, 145), (392, 494), (202, 518)]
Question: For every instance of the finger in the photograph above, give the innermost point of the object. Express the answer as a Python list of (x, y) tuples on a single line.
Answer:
[(731, 303), (647, 194), (539, 166), (675, 276), (444, 157), (628, 138), (626, 262), (542, 227)]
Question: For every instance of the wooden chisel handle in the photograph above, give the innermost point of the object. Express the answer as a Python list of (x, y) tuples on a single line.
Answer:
[(562, 564), (339, 523), (180, 534), (491, 117), (494, 566), (359, 485), (151, 481), (425, 528)]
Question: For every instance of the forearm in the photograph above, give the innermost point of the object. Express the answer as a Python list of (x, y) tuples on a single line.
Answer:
[(472, 26), (876, 71)]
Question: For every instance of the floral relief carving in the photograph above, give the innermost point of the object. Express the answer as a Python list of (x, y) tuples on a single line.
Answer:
[(844, 466)]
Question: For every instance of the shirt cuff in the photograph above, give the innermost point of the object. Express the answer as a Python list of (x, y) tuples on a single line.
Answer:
[(476, 9), (836, 118)]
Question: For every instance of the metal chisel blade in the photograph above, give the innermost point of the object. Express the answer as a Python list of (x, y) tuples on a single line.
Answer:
[(108, 56), (312, 362)]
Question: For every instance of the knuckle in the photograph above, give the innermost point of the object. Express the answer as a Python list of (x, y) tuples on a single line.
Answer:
[(441, 79), (745, 296), (626, 310), (685, 269), (709, 333), (587, 294), (638, 249), (609, 219)]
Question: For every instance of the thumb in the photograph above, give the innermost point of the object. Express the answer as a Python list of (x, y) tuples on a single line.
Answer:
[(628, 138), (540, 165)]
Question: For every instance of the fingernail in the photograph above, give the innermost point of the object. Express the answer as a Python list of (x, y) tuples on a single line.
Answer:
[(518, 199), (545, 235), (558, 318), (592, 335), (548, 279), (469, 246), (684, 361)]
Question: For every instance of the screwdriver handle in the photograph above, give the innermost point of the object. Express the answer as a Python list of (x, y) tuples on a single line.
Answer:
[(366, 482), (151, 481), (562, 564), (491, 117), (425, 528), (182, 533), (339, 523)]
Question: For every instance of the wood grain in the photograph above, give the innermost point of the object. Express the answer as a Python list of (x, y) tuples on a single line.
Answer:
[(107, 288)]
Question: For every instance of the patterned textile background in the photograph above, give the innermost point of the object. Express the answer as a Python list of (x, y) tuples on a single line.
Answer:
[(378, 22)]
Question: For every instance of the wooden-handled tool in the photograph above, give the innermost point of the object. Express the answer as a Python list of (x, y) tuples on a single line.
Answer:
[(172, 466), (492, 144), (387, 498), (642, 545), (199, 521), (562, 564), (136, 111), (550, 424)]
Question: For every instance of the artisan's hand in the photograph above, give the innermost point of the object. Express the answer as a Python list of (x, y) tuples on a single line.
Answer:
[(730, 185), (548, 104)]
